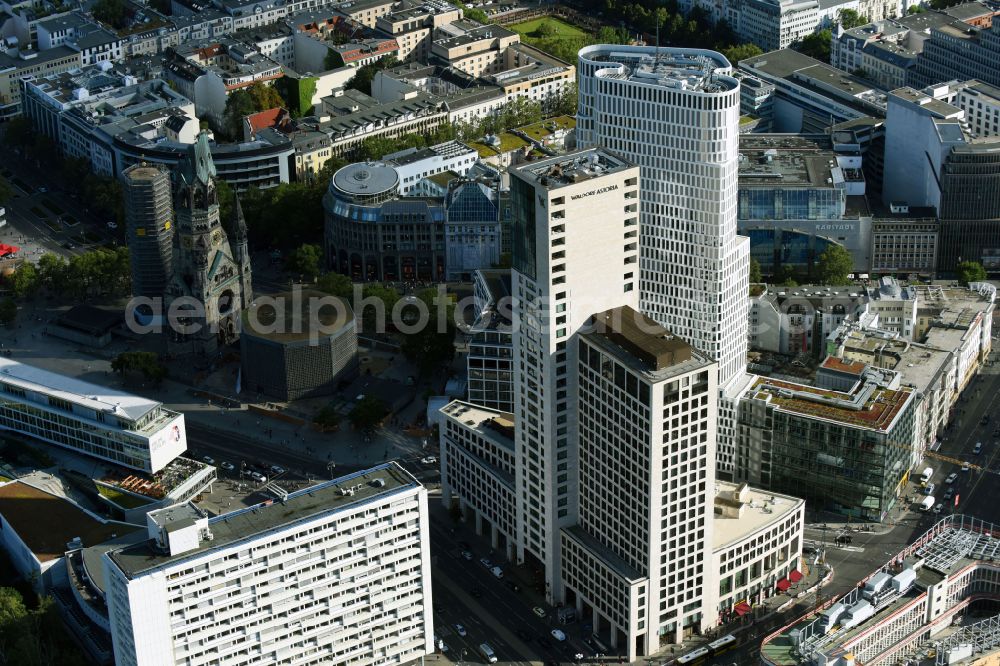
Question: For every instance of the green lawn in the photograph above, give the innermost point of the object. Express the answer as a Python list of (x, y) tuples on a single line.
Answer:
[(508, 142), (542, 129), (563, 30)]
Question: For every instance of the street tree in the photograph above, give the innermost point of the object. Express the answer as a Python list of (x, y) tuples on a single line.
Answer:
[(741, 52), (367, 413), (849, 18), (970, 271), (306, 261), (816, 45), (25, 280), (834, 265), (336, 284)]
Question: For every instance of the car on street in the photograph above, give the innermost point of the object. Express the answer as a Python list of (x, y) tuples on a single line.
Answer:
[(112, 225), (485, 562), (429, 460), (228, 466), (951, 478), (43, 190), (965, 467), (460, 630), (277, 469), (539, 611), (558, 635), (978, 448), (938, 507), (513, 586), (948, 495), (497, 571), (467, 555), (208, 460), (69, 246), (258, 477)]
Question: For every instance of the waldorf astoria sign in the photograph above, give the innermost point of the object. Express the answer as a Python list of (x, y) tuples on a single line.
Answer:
[(600, 190)]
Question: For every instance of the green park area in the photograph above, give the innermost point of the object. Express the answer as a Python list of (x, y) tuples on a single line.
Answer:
[(547, 27)]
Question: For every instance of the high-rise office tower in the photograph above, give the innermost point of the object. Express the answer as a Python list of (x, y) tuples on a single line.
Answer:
[(675, 113), (149, 216), (336, 573), (576, 227), (640, 556)]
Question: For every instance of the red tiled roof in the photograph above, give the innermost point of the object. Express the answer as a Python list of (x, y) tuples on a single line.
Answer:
[(277, 118)]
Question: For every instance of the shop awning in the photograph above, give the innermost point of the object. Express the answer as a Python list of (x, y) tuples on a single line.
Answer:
[(783, 584), (742, 608), (795, 576), (8, 249)]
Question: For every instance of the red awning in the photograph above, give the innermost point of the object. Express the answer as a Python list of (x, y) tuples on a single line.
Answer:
[(742, 608), (7, 249), (795, 576), (783, 584)]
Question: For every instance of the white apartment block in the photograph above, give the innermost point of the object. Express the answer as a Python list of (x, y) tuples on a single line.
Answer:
[(334, 573), (777, 24), (895, 305), (638, 560), (758, 543), (675, 113), (980, 101), (576, 228), (92, 420)]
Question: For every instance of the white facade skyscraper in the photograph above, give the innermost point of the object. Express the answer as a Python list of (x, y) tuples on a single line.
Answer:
[(334, 573), (639, 558), (575, 253), (675, 113)]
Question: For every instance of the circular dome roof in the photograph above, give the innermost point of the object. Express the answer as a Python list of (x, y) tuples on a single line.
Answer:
[(366, 179)]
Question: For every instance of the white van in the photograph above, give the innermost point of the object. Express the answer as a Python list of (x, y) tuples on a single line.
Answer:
[(488, 654), (926, 476)]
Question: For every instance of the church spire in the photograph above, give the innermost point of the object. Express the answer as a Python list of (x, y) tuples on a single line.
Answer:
[(239, 222), (197, 166)]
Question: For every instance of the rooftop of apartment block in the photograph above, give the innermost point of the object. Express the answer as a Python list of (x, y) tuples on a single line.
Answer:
[(643, 345), (869, 405), (30, 58), (674, 68), (819, 297), (740, 511), (788, 160), (801, 70), (955, 304), (332, 496), (473, 35), (47, 523), (491, 423), (919, 365)]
